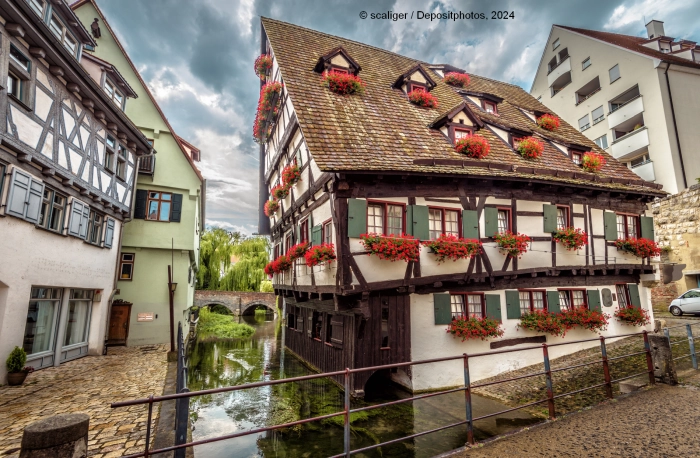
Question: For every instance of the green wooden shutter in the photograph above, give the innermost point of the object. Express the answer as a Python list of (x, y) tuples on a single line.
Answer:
[(553, 305), (409, 220), (109, 233), (140, 204), (610, 220), (512, 304), (443, 308), (297, 234), (493, 306), (635, 300), (419, 222), (647, 224), (176, 211), (594, 300), (550, 218), (490, 222), (316, 235), (357, 217), (470, 224)]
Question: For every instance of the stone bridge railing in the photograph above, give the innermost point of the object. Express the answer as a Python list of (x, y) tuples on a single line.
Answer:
[(238, 302)]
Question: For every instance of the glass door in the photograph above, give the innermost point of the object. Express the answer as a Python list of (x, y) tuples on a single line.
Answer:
[(75, 340), (40, 328)]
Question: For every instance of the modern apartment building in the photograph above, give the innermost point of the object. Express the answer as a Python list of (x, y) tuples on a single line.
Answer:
[(636, 97)]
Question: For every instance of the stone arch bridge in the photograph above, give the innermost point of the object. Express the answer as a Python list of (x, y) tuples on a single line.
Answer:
[(238, 302)]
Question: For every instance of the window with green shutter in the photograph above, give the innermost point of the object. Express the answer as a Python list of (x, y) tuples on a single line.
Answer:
[(610, 221), (550, 218), (635, 300), (594, 300), (553, 305), (442, 308), (470, 224), (647, 225), (357, 217), (316, 233), (490, 221), (512, 304), (493, 306), (418, 221)]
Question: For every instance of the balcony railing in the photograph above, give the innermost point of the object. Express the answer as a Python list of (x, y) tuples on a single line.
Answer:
[(645, 170), (626, 111), (558, 73), (580, 98), (551, 69), (630, 144)]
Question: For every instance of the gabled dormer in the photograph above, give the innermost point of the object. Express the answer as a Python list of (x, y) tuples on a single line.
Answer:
[(415, 79), (485, 101), (110, 80), (337, 61), (458, 123)]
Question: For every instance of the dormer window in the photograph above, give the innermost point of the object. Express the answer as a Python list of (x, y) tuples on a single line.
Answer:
[(460, 133), (114, 93), (64, 36), (342, 71), (516, 142), (576, 157), (415, 79), (489, 107), (458, 124), (416, 87), (39, 7), (337, 61)]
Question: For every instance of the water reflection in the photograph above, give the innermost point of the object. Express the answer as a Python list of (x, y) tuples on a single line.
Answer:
[(215, 364)]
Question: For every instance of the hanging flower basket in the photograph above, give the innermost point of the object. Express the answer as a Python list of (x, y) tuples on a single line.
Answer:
[(262, 65), (271, 207), (451, 247), (457, 79), (641, 248), (423, 98), (571, 238), (593, 162), (591, 320), (544, 322), (290, 175), (319, 254), (548, 122), (530, 148), (473, 328), (392, 248), (514, 245), (473, 146), (297, 251), (343, 83), (279, 192), (635, 316)]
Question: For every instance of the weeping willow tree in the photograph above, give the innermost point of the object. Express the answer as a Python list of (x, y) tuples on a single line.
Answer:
[(215, 250), (248, 271)]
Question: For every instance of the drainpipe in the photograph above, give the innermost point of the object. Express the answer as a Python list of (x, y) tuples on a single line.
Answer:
[(675, 126)]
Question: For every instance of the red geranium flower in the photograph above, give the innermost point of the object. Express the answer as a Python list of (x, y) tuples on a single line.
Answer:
[(343, 83), (593, 162), (530, 148), (549, 122), (474, 146), (319, 254), (457, 79), (423, 98), (393, 247)]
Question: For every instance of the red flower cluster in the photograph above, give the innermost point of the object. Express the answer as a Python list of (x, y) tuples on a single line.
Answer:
[(641, 248), (297, 251), (262, 64), (514, 245), (265, 107), (585, 318), (393, 247), (319, 254), (454, 248), (290, 175), (557, 324), (530, 148), (549, 122), (471, 328), (474, 146), (281, 264), (635, 316), (271, 207), (571, 238), (593, 162), (456, 79), (542, 321), (343, 83), (423, 98), (279, 192)]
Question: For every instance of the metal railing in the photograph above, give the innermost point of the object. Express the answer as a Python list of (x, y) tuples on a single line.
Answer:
[(689, 339), (182, 404), (467, 389)]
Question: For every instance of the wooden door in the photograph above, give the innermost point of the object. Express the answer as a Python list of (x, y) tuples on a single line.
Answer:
[(119, 324)]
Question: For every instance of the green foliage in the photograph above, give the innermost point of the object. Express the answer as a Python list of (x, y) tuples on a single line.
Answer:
[(15, 362), (216, 249), (248, 271), (219, 309), (262, 312), (266, 287), (214, 325)]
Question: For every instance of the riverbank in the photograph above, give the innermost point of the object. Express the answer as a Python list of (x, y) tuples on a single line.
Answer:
[(213, 325)]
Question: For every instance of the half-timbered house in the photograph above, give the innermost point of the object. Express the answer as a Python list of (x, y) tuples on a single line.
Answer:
[(376, 163)]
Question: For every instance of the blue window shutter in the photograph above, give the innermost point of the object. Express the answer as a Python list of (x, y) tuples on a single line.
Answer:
[(493, 306), (470, 224), (491, 223), (512, 304), (316, 235), (19, 193), (635, 300), (76, 213), (109, 233), (553, 305), (176, 210), (594, 300), (610, 220), (419, 222), (357, 217), (34, 199), (442, 308)]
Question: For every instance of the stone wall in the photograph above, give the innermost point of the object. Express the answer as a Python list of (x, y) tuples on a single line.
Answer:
[(676, 220)]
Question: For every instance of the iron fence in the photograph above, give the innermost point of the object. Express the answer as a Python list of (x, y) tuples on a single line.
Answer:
[(607, 383), (689, 339), (182, 404)]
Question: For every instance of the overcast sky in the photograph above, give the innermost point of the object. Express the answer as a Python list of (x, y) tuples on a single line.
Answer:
[(197, 57)]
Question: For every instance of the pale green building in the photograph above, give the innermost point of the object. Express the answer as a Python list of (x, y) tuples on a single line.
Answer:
[(168, 207)]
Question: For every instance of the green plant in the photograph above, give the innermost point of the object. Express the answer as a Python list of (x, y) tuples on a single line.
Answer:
[(472, 328), (543, 321), (266, 287), (591, 320), (635, 316), (216, 326), (15, 362)]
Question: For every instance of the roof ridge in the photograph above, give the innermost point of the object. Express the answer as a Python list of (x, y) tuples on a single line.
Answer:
[(599, 31)]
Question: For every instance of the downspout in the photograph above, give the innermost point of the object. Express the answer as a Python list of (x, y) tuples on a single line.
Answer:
[(675, 126)]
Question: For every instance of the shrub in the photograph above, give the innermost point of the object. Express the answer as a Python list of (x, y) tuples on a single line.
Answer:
[(591, 320), (472, 328), (279, 192), (392, 248), (454, 248), (530, 148), (423, 98), (641, 248), (271, 207), (457, 79), (343, 83), (290, 175), (514, 245), (216, 326), (262, 64), (297, 251), (571, 238), (266, 286), (319, 254), (542, 321), (474, 146), (16, 360), (548, 122), (635, 316), (593, 162)]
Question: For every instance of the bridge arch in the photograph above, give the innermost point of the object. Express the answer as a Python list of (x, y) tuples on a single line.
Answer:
[(237, 302)]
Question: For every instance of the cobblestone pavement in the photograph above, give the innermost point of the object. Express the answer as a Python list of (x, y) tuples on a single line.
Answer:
[(89, 385), (658, 422)]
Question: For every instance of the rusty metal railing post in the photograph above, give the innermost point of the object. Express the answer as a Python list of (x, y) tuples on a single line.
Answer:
[(606, 368), (691, 344), (148, 426), (468, 401), (346, 426), (667, 333), (548, 378), (650, 363)]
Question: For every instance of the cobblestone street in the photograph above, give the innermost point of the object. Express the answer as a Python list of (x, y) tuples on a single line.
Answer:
[(89, 385)]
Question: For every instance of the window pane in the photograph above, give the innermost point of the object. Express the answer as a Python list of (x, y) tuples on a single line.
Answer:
[(56, 27), (435, 223), (375, 219), (460, 134), (621, 227), (524, 302), (475, 310), (19, 58), (56, 218), (110, 141), (153, 210), (38, 6), (503, 221), (579, 300), (457, 304), (77, 322), (614, 73), (38, 331), (165, 197), (632, 227), (562, 222), (164, 211), (538, 300), (70, 44), (126, 271), (564, 300), (395, 220), (621, 295), (452, 223)]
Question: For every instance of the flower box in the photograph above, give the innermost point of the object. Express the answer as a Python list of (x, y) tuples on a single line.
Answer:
[(591, 320), (392, 248), (544, 322), (548, 122), (279, 192), (592, 162), (423, 98), (474, 146), (635, 316), (472, 328), (279, 265), (571, 238), (297, 251), (267, 105), (319, 254), (454, 248), (530, 148), (262, 65), (514, 245), (271, 207), (343, 83), (641, 248), (456, 79), (290, 175)]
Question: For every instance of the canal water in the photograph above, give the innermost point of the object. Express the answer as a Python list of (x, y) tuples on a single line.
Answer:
[(219, 363)]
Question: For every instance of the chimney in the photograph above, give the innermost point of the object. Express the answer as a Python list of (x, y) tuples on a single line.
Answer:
[(655, 29)]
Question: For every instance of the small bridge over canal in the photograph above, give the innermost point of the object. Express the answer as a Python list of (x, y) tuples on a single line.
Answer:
[(238, 302)]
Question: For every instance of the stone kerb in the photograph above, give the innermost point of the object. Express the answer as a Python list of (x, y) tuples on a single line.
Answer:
[(60, 436)]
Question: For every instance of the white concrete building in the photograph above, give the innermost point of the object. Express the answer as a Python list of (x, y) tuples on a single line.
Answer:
[(636, 97), (67, 163)]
